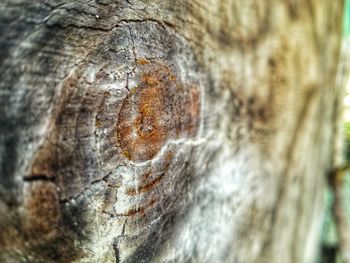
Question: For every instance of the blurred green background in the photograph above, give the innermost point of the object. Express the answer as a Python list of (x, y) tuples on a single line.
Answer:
[(330, 251)]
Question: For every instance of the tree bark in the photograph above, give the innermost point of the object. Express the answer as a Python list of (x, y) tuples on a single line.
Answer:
[(165, 131)]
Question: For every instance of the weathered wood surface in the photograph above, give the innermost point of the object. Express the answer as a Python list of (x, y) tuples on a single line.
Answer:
[(165, 131)]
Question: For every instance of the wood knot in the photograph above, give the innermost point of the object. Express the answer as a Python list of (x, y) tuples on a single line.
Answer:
[(159, 108)]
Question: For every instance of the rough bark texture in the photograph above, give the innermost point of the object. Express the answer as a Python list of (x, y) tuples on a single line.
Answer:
[(165, 131)]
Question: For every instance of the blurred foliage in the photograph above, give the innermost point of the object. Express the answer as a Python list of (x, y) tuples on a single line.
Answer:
[(347, 141), (330, 247), (346, 18)]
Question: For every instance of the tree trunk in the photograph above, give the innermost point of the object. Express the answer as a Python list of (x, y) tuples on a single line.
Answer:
[(165, 131)]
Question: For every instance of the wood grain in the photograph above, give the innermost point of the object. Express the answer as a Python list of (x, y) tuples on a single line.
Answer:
[(165, 131)]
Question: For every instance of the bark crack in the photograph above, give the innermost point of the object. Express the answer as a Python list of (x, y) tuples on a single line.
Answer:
[(87, 188), (116, 243), (132, 43), (38, 177)]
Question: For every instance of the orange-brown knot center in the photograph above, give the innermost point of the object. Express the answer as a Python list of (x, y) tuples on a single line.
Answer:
[(158, 109)]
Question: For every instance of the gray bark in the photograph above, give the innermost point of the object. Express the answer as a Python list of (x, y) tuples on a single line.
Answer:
[(165, 131)]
